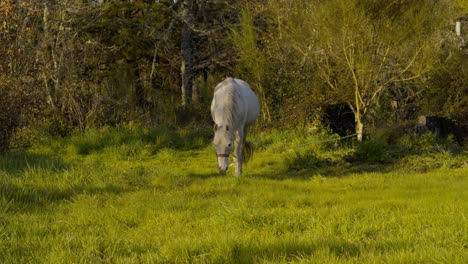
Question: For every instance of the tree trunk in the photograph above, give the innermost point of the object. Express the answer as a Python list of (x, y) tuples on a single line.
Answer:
[(195, 92), (186, 68), (51, 90), (359, 130), (140, 99), (358, 121)]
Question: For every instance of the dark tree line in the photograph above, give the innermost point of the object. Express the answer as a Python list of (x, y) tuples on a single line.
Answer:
[(76, 64)]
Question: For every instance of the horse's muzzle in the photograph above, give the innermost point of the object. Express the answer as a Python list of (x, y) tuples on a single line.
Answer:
[(223, 160)]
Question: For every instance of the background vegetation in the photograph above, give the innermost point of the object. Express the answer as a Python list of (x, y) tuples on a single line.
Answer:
[(73, 65), (105, 132)]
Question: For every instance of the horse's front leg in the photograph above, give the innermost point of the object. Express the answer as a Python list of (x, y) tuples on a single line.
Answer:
[(239, 145)]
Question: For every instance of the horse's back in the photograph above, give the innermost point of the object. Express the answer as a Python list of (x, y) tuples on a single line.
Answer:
[(245, 93), (251, 100)]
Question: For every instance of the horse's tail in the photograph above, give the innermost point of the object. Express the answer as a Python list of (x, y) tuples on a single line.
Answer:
[(247, 151)]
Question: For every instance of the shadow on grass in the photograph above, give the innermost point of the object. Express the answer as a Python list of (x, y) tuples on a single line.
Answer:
[(303, 174), (154, 139), (205, 176), (31, 182), (324, 168), (30, 198), (18, 162), (290, 251), (327, 168), (301, 167)]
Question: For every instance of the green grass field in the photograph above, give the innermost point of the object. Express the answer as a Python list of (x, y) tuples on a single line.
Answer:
[(153, 196)]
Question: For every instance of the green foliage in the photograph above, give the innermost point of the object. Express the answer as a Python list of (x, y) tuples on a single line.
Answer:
[(429, 142), (245, 38), (9, 117), (360, 50), (399, 147), (18, 82), (84, 65), (430, 161), (129, 142), (286, 139), (461, 7), (372, 150), (446, 94), (194, 113), (255, 72), (304, 160)]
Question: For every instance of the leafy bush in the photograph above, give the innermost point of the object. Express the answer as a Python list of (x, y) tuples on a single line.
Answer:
[(372, 150), (431, 161), (392, 132), (10, 111), (427, 142)]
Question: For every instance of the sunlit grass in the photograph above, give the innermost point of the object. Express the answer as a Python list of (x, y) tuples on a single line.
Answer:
[(131, 200)]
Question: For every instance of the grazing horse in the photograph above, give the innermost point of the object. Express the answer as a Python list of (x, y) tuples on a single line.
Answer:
[(234, 109)]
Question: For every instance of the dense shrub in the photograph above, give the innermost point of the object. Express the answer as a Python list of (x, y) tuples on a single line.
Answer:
[(431, 161), (372, 150), (10, 111)]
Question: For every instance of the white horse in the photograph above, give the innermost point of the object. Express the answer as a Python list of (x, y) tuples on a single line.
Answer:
[(234, 109)]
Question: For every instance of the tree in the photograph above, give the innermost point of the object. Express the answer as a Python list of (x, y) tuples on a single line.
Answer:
[(186, 48), (18, 78), (252, 60), (126, 52), (364, 48), (447, 90), (204, 43)]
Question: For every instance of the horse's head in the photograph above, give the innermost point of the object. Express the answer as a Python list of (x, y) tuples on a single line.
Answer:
[(222, 144)]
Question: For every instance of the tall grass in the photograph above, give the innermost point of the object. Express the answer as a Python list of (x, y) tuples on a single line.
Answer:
[(130, 200)]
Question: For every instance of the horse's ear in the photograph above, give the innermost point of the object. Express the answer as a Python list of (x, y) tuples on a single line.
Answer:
[(215, 127)]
